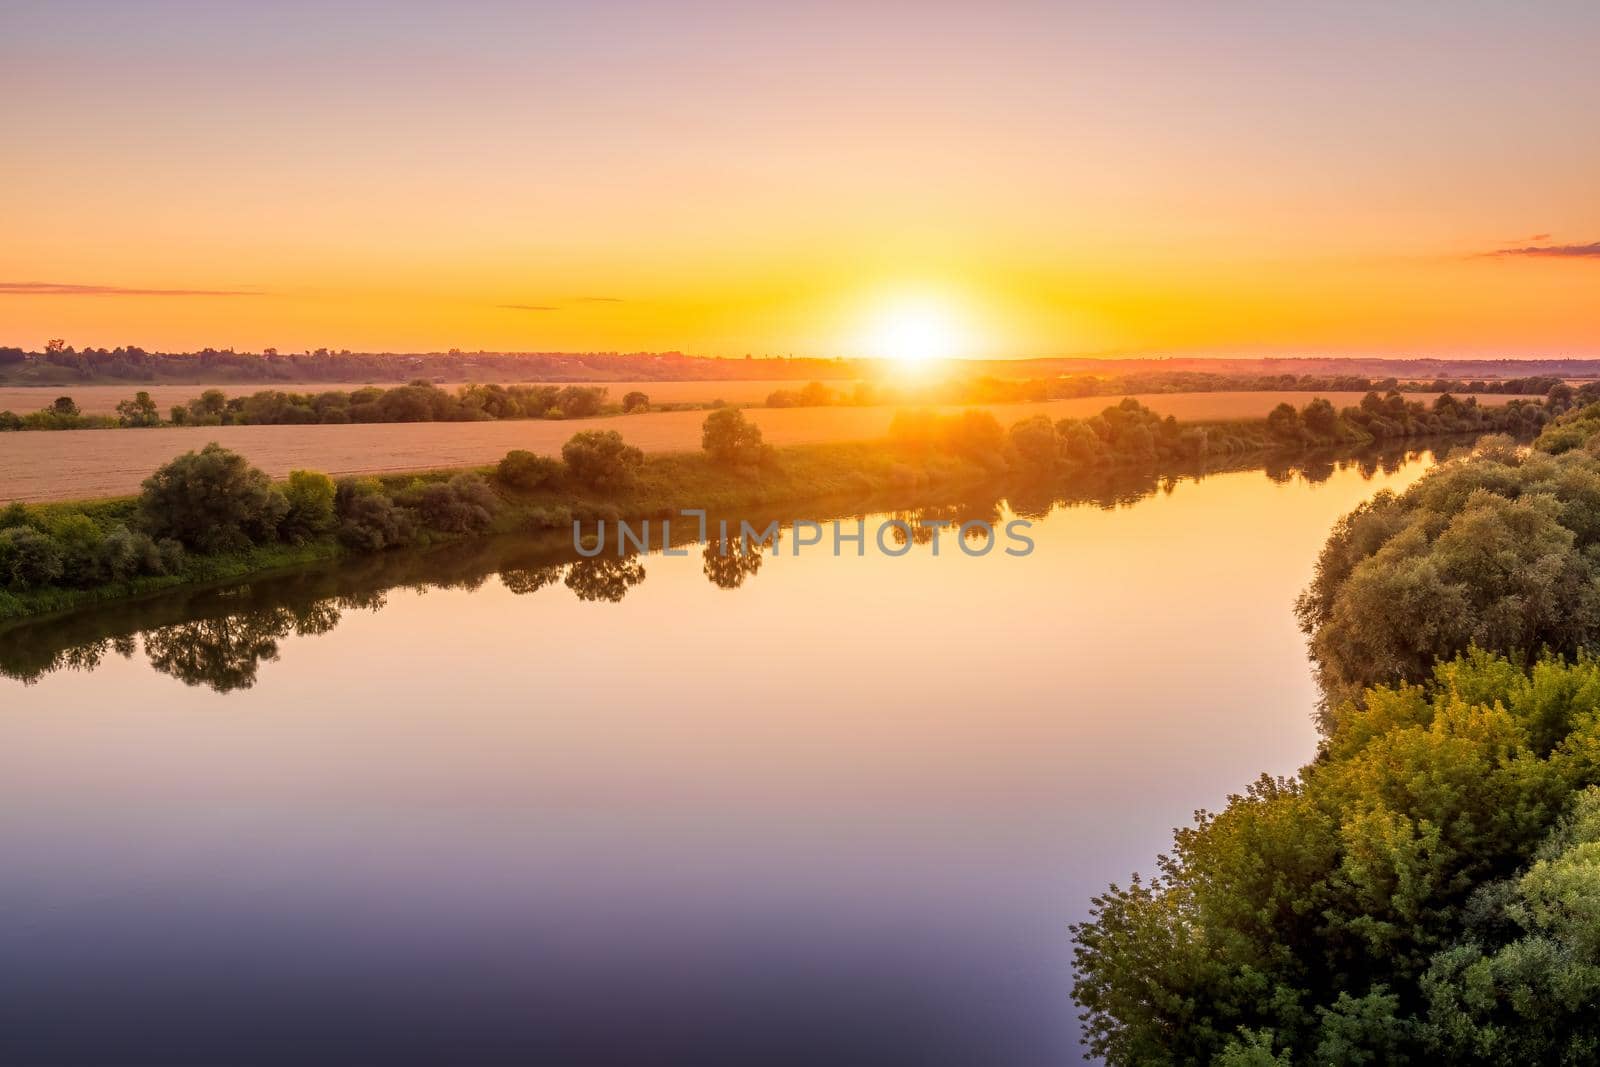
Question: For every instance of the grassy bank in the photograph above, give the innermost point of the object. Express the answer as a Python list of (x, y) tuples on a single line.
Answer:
[(662, 486)]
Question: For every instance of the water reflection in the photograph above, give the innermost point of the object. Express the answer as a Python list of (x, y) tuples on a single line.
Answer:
[(220, 637)]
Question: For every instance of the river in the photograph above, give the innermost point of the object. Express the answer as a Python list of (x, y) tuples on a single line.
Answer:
[(497, 804)]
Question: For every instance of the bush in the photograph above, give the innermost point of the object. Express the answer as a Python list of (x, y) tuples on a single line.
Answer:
[(1036, 443), (464, 504), (212, 500), (731, 439), (78, 540), (28, 558), (522, 469), (126, 554), (635, 401), (368, 520), (599, 459), (310, 498)]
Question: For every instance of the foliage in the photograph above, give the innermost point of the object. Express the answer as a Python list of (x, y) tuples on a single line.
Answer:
[(212, 500), (310, 497), (635, 401), (464, 504), (599, 459), (1355, 912), (731, 439), (1495, 548), (140, 411), (522, 469)]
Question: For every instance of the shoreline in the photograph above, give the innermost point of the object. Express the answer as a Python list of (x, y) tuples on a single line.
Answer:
[(843, 476)]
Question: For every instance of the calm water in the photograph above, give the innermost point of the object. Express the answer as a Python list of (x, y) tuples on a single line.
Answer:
[(490, 806)]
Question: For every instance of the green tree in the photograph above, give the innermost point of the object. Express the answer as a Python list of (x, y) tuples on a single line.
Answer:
[(310, 498), (600, 460), (140, 411), (522, 469), (731, 439), (212, 500)]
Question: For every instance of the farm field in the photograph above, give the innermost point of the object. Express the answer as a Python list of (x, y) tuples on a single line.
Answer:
[(76, 464), (101, 399)]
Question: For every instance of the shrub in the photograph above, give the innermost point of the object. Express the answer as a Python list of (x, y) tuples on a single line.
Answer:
[(127, 554), (729, 438), (310, 498), (1036, 443), (28, 558), (635, 401), (464, 504), (78, 540), (522, 469), (368, 520), (580, 401), (601, 460), (212, 500)]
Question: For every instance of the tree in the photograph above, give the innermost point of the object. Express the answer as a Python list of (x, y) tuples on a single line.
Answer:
[(140, 411), (1036, 443), (1311, 915), (635, 401), (522, 469), (64, 406), (1493, 549), (600, 460), (1283, 422), (464, 504), (212, 500), (1320, 418), (310, 498), (731, 439)]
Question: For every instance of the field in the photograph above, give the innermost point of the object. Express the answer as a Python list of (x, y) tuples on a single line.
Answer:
[(77, 464), (103, 399)]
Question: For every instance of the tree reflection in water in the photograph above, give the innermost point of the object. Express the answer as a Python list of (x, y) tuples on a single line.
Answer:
[(220, 637)]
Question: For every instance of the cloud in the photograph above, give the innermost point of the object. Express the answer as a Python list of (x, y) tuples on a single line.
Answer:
[(65, 289), (528, 307), (598, 300), (1588, 251)]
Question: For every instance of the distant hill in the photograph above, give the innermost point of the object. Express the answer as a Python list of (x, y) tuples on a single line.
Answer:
[(66, 366)]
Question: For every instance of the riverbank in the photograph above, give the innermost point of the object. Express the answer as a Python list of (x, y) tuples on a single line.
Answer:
[(843, 477), (83, 464)]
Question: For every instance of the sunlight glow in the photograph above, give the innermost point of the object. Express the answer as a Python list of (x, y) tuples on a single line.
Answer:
[(914, 332)]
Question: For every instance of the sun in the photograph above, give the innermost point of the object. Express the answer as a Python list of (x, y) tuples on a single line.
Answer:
[(914, 332)]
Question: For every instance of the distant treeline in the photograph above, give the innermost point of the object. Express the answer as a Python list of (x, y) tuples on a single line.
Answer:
[(421, 401), (1131, 433), (990, 390), (59, 363)]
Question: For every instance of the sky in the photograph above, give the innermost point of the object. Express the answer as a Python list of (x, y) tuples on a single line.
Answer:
[(987, 179)]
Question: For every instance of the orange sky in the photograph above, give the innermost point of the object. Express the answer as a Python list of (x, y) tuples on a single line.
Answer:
[(726, 178)]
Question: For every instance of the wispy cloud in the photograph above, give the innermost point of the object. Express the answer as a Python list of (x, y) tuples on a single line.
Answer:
[(528, 307), (65, 289), (1588, 251), (597, 300)]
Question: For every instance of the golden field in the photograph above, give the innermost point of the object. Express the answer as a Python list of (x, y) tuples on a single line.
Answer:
[(76, 464)]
